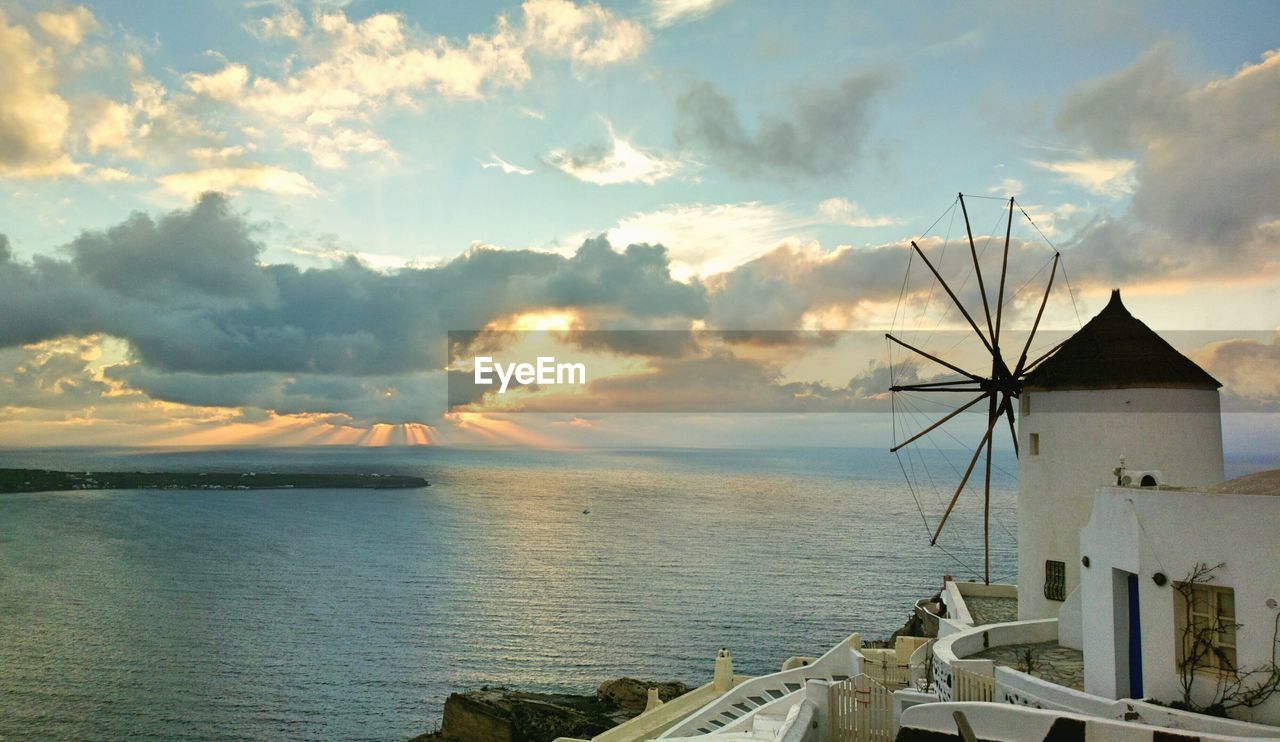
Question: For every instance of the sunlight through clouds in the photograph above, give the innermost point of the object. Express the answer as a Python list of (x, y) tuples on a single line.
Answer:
[(673, 12), (269, 216), (1105, 177), (232, 179), (704, 239), (617, 162)]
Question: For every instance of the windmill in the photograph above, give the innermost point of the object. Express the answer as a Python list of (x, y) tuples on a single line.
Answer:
[(990, 376)]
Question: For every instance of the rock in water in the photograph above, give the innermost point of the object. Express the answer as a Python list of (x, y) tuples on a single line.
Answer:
[(631, 695), (504, 715)]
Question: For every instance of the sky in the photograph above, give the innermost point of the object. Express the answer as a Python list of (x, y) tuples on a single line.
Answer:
[(256, 223)]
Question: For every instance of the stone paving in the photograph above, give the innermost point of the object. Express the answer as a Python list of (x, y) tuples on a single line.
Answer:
[(991, 610), (1052, 662)]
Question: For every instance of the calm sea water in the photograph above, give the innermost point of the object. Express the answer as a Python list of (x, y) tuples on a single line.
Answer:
[(353, 614)]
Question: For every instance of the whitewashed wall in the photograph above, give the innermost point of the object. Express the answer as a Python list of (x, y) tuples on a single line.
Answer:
[(1082, 436), (1143, 532)]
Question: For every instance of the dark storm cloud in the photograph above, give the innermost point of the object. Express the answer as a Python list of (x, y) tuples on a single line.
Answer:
[(820, 133), (207, 324), (204, 253), (43, 299), (188, 294)]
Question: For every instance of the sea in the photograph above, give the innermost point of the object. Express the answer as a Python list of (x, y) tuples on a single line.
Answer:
[(353, 614)]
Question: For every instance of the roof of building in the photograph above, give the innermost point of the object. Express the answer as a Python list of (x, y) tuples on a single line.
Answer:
[(1115, 350), (1262, 483)]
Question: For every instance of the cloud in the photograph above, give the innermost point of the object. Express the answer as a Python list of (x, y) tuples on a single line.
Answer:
[(111, 175), (819, 135), (1105, 177), (1203, 192), (803, 286), (587, 34), (617, 162), (51, 376), (365, 401), (287, 23), (204, 323), (234, 179), (672, 12), (842, 211), (227, 84), (703, 239), (1121, 110), (1007, 187), (1249, 372), (152, 124), (68, 28), (349, 70), (777, 290), (187, 256), (187, 293), (34, 119), (329, 148), (206, 156), (45, 132), (506, 167), (717, 381)]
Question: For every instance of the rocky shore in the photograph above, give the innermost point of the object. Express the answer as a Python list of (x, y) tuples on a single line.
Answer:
[(506, 715)]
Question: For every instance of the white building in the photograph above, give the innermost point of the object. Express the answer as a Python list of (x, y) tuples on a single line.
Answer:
[(1114, 390), (1141, 544)]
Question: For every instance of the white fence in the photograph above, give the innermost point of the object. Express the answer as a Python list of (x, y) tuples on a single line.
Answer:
[(861, 711), (972, 686)]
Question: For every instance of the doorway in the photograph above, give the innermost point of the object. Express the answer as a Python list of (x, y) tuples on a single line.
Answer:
[(1135, 639)]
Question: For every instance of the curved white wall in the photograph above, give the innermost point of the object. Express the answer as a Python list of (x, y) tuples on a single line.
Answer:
[(1082, 435)]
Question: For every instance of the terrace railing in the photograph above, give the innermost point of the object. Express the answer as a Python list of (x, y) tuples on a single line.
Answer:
[(861, 711)]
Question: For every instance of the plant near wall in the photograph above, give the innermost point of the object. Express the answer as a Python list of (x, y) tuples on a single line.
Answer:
[(928, 668), (1203, 661), (1027, 661)]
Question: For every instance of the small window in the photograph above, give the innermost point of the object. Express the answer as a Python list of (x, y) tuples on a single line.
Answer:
[(1211, 644), (1024, 404), (1035, 444), (1055, 580)]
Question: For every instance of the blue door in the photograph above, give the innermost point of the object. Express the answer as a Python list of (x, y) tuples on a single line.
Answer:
[(1135, 640)]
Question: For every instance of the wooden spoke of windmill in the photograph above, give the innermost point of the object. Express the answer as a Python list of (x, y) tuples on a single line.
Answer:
[(998, 386)]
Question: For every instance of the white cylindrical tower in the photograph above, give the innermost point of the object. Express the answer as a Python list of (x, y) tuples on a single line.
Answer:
[(1113, 390)]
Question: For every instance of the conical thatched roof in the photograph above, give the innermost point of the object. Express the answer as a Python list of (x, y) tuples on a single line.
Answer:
[(1114, 350)]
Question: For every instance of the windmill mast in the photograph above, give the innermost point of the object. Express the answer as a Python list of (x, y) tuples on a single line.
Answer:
[(999, 387)]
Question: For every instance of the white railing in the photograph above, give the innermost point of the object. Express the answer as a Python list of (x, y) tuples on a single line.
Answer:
[(778, 691), (1018, 688), (950, 649), (973, 686), (861, 711), (884, 667), (893, 667), (1006, 721)]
